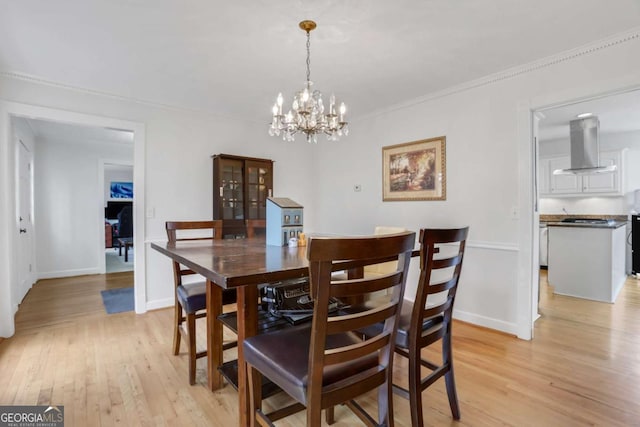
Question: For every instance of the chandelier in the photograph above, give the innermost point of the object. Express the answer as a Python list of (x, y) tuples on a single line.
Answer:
[(307, 114)]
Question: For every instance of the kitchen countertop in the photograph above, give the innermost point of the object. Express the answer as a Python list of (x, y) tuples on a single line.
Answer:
[(614, 221), (609, 224)]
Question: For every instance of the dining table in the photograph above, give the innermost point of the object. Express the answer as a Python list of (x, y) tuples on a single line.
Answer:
[(240, 264)]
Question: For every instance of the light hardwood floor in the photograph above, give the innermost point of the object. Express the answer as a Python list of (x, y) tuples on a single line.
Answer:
[(582, 368)]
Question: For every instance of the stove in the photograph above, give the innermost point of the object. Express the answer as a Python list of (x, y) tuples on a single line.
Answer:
[(588, 221)]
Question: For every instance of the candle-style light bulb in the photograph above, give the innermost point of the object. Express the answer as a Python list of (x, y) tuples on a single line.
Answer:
[(279, 101)]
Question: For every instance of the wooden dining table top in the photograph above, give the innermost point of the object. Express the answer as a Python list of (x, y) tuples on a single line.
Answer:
[(239, 262)]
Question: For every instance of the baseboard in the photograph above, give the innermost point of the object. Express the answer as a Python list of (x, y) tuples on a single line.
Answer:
[(160, 303), (67, 273), (487, 322)]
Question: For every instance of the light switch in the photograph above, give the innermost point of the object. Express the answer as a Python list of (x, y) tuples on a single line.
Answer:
[(514, 212), (151, 213)]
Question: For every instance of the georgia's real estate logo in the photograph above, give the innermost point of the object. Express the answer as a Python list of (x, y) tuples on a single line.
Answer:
[(32, 416)]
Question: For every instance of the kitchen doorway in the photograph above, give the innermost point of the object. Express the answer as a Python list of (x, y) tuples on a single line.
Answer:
[(606, 196)]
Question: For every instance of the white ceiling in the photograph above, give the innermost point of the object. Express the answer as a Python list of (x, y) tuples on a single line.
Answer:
[(232, 58), (616, 113), (71, 133)]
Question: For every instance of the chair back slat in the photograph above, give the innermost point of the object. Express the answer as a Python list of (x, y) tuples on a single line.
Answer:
[(323, 254), (443, 286), (434, 310), (214, 228), (347, 288), (446, 262), (339, 355), (355, 321)]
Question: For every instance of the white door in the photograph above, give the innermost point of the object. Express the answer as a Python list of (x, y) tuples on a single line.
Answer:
[(25, 221)]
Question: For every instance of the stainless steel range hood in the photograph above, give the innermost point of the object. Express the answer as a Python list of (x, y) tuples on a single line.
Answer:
[(585, 149)]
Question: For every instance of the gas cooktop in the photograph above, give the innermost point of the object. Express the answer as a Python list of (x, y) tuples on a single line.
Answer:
[(588, 221)]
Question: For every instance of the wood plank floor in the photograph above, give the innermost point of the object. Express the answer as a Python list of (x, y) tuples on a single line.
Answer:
[(582, 368)]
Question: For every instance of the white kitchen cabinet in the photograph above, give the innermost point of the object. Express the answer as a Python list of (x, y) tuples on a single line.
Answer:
[(606, 184), (563, 184)]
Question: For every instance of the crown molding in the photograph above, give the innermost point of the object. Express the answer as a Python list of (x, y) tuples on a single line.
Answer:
[(568, 55), (38, 80)]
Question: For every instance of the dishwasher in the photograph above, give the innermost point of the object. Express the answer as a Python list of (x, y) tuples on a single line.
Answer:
[(544, 249)]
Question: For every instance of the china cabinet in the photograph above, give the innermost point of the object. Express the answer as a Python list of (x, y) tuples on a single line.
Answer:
[(241, 186)]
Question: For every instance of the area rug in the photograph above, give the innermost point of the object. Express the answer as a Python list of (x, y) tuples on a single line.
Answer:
[(115, 263), (117, 300)]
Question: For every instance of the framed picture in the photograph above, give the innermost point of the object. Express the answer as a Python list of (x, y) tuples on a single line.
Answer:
[(415, 170), (121, 190)]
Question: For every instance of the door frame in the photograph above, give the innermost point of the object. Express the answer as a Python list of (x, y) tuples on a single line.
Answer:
[(529, 245), (8, 110)]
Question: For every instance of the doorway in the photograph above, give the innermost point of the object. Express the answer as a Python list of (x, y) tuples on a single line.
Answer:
[(601, 196), (117, 181), (13, 111)]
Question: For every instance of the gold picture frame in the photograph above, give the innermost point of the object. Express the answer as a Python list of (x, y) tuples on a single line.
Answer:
[(415, 170)]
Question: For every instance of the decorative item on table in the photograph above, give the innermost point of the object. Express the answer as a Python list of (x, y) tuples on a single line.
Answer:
[(284, 221), (415, 170), (307, 114)]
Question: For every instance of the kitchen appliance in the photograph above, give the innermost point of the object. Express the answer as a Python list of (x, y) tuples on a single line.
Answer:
[(635, 244), (544, 250), (585, 148)]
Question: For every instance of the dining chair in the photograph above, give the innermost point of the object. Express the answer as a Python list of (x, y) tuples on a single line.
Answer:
[(255, 227), (190, 298), (428, 319), (325, 364)]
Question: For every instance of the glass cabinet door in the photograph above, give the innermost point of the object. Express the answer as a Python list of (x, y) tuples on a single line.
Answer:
[(259, 185), (232, 182)]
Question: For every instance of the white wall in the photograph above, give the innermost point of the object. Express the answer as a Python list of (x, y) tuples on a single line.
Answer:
[(618, 205), (68, 200)]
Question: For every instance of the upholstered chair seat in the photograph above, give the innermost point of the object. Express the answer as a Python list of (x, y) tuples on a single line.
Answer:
[(288, 366)]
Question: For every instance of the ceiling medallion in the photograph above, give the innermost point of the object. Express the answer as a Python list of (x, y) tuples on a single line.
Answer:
[(307, 114)]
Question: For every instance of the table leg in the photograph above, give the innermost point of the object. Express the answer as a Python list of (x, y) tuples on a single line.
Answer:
[(214, 335), (126, 252), (247, 326), (119, 248)]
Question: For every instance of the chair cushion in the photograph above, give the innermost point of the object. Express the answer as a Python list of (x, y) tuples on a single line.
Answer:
[(193, 296), (283, 357)]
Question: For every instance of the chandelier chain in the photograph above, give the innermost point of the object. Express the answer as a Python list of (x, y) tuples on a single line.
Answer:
[(308, 56)]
